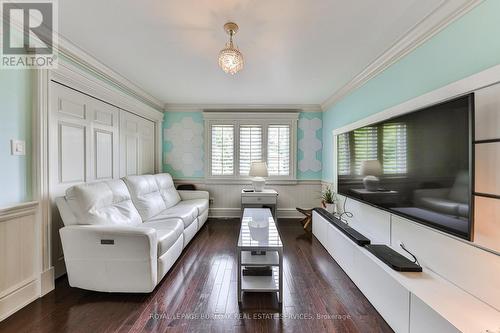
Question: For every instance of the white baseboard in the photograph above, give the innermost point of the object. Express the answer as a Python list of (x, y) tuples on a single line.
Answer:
[(47, 281), (236, 213), (19, 298)]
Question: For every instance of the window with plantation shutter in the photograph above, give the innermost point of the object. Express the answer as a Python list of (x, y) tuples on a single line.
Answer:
[(250, 146), (394, 148), (365, 146), (343, 154), (278, 150), (222, 154), (236, 139)]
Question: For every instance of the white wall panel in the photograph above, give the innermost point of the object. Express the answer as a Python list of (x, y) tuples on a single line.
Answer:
[(468, 267), (487, 223), (487, 110), (487, 168)]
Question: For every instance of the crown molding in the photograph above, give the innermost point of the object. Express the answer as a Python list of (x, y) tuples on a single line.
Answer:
[(63, 46), (242, 107), (80, 57), (433, 23)]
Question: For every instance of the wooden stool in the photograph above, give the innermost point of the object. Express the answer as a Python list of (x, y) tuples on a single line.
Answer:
[(306, 220)]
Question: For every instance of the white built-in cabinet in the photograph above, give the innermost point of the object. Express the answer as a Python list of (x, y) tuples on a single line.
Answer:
[(91, 140)]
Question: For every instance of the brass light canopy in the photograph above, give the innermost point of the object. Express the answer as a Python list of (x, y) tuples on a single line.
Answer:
[(230, 58)]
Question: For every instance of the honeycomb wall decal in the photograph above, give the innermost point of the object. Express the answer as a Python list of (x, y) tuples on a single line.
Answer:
[(186, 155)]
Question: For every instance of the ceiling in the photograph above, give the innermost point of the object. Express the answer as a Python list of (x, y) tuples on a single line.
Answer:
[(296, 51)]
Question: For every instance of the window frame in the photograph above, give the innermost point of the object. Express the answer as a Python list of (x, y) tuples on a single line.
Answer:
[(237, 119)]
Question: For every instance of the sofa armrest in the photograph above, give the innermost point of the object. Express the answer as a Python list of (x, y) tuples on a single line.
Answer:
[(110, 258), (189, 195), (441, 193), (109, 241)]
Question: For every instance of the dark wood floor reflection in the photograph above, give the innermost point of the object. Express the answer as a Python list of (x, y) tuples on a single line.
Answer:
[(199, 295)]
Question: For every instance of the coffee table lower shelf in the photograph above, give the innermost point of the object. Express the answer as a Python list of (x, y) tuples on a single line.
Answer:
[(261, 283)]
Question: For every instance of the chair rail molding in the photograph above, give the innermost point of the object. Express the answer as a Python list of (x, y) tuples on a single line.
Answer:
[(444, 14)]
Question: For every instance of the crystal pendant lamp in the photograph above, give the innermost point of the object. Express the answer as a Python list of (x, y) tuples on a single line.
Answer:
[(230, 58)]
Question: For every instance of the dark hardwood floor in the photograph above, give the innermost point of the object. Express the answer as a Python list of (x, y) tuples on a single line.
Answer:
[(199, 295)]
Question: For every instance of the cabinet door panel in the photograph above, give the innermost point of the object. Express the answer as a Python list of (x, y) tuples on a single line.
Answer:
[(103, 154), (72, 157), (137, 145)]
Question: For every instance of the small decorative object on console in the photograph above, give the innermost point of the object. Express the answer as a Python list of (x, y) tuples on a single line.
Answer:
[(328, 199)]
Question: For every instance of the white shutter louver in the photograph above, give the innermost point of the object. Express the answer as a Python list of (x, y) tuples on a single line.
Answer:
[(394, 148), (365, 146), (222, 150), (250, 146), (343, 154), (278, 150)]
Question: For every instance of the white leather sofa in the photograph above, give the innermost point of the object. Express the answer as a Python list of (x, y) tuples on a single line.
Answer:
[(124, 235)]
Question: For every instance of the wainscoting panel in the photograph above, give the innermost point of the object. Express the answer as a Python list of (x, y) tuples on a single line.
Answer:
[(226, 198), (20, 257)]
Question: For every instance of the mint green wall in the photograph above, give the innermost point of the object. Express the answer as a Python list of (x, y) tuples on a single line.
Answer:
[(176, 149), (15, 123), (467, 46)]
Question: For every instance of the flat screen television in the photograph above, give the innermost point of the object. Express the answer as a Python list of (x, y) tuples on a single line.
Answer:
[(417, 165)]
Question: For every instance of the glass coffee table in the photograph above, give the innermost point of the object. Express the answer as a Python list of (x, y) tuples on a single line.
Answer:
[(259, 245)]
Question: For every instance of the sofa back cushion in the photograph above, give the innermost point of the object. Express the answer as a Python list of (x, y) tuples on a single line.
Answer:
[(167, 189), (105, 202), (145, 195)]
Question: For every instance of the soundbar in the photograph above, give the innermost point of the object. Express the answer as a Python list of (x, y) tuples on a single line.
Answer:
[(393, 259), (353, 235)]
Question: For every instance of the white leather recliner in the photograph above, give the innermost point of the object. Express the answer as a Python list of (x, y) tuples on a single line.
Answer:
[(124, 235)]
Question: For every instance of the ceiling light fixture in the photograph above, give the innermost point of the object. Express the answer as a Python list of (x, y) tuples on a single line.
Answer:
[(230, 58)]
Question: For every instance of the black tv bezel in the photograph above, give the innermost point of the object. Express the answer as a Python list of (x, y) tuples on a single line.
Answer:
[(471, 112)]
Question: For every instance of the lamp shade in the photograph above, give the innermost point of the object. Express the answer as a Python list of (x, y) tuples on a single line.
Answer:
[(371, 168), (258, 169)]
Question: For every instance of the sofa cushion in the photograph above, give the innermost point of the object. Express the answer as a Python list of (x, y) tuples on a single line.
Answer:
[(167, 189), (168, 232), (105, 202), (184, 212), (145, 195), (200, 204)]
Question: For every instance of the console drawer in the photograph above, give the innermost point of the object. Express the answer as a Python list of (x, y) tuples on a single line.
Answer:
[(255, 200)]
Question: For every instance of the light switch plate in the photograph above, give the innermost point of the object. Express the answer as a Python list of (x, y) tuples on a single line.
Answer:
[(18, 147)]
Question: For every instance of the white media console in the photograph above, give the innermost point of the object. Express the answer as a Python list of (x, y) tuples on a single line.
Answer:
[(410, 302)]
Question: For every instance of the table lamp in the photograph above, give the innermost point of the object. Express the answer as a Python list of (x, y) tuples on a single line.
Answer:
[(258, 170), (371, 169)]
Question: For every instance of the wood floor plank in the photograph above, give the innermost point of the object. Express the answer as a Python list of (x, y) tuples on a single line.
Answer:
[(199, 294)]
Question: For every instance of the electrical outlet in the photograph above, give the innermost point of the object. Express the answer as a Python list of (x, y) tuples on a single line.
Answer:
[(17, 147), (211, 201)]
